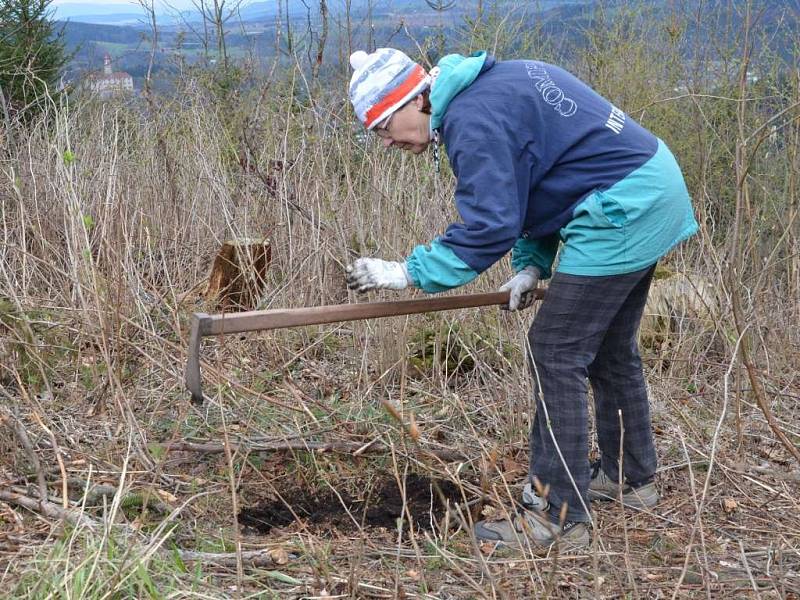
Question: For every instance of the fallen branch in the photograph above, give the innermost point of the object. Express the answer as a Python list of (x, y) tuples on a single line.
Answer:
[(258, 558), (354, 448), (48, 509)]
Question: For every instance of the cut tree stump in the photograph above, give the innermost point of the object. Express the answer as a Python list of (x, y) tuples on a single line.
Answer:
[(238, 275)]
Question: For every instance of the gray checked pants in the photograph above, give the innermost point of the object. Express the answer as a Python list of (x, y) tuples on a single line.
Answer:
[(586, 329)]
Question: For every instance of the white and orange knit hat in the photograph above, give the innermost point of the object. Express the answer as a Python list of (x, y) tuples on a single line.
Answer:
[(383, 82)]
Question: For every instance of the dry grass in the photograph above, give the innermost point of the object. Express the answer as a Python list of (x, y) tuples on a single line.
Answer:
[(99, 271)]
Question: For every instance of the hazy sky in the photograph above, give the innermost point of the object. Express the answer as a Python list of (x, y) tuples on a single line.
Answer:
[(123, 4)]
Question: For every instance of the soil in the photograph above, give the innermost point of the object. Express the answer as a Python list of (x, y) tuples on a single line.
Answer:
[(380, 508)]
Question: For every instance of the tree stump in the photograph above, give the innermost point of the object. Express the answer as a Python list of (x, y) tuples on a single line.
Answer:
[(238, 275)]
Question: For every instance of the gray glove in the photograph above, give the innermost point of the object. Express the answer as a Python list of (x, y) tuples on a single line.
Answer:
[(367, 274), (524, 281)]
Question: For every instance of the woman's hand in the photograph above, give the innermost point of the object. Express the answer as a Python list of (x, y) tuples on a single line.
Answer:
[(367, 274), (524, 281)]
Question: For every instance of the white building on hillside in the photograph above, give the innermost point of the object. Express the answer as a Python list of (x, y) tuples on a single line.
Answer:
[(108, 83)]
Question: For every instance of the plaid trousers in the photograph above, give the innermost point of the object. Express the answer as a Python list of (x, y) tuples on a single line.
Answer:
[(586, 328)]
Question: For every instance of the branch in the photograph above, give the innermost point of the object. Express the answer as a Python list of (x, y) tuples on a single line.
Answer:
[(258, 558), (48, 509)]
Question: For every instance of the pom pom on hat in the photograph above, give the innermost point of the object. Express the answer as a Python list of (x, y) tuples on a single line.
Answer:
[(383, 82), (358, 59)]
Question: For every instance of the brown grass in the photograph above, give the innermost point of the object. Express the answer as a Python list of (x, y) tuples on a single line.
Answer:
[(99, 270)]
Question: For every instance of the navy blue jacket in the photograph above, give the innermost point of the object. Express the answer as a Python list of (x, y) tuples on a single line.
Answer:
[(528, 143)]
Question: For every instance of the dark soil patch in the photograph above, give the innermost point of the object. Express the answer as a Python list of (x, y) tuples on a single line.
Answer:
[(380, 508)]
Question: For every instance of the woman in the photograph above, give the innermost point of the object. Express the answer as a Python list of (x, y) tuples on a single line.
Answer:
[(542, 160)]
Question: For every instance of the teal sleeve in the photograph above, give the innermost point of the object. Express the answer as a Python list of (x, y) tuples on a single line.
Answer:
[(540, 253), (436, 268)]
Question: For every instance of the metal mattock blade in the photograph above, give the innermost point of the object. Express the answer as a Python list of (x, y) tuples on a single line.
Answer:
[(193, 382)]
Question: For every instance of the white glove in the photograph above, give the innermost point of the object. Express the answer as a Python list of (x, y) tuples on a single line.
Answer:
[(524, 281), (367, 274)]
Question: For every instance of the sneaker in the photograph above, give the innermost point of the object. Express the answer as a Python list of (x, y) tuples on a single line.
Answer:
[(534, 529), (602, 487), (533, 501)]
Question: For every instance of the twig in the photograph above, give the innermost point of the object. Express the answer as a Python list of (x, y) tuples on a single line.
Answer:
[(226, 446), (57, 451), (22, 435), (687, 556), (621, 487), (747, 568)]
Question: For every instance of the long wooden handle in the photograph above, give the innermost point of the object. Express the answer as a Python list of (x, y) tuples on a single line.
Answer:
[(280, 318), (259, 320)]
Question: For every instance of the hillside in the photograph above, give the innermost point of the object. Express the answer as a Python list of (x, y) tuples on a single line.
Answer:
[(776, 20), (560, 23), (77, 33)]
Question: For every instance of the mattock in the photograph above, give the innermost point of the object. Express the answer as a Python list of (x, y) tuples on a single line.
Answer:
[(259, 320)]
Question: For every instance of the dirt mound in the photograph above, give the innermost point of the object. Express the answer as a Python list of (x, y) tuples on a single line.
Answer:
[(379, 508)]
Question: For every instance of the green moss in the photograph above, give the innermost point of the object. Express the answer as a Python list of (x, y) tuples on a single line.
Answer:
[(457, 348), (663, 272)]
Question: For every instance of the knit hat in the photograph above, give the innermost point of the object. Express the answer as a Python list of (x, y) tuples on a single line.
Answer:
[(383, 82)]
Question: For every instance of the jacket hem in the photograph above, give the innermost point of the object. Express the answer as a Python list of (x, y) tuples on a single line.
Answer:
[(604, 270)]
